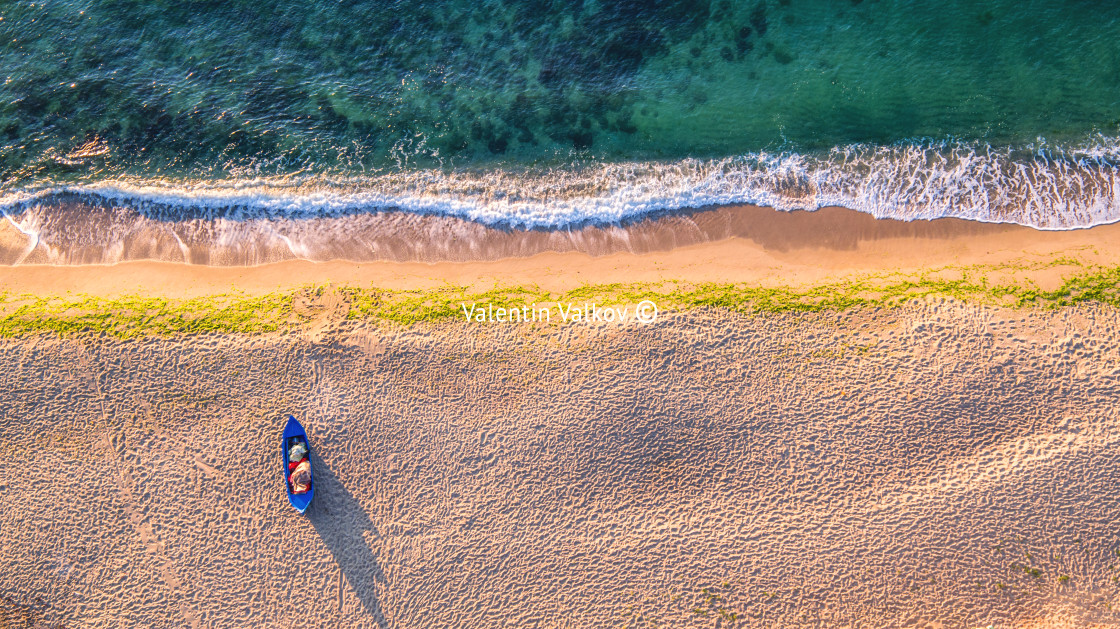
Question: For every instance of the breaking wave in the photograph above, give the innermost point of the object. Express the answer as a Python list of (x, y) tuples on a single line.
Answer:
[(1040, 185)]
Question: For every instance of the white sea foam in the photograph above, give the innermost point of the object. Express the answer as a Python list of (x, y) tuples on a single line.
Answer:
[(1041, 185), (1047, 187)]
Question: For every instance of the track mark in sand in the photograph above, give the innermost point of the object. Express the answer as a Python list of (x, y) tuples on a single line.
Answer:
[(341, 594), (212, 472), (136, 515), (143, 528), (316, 371), (324, 309)]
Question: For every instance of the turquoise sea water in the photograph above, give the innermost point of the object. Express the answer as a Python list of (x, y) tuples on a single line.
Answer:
[(539, 113)]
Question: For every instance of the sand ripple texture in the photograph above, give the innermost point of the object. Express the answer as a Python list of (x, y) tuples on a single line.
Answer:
[(941, 465)]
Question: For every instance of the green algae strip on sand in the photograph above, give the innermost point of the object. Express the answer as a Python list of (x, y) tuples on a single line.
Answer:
[(281, 312)]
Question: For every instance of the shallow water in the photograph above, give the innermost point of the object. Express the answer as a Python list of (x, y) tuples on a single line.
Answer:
[(547, 114)]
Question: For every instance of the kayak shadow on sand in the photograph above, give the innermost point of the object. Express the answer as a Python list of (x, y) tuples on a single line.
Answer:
[(342, 524)]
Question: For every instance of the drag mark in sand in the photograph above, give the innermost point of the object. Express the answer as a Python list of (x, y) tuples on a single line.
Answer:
[(136, 515)]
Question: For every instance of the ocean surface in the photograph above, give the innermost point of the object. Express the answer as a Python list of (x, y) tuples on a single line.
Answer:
[(235, 117)]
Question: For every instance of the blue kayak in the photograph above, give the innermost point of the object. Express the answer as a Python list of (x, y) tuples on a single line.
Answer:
[(294, 435)]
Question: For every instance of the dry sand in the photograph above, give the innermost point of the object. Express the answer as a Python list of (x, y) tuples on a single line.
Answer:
[(870, 468)]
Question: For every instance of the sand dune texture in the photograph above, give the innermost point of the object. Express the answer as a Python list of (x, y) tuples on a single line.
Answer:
[(937, 465)]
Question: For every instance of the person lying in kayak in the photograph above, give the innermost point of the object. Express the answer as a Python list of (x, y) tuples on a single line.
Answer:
[(299, 467)]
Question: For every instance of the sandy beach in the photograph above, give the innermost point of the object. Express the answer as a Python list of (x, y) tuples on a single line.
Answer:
[(941, 464), (686, 314)]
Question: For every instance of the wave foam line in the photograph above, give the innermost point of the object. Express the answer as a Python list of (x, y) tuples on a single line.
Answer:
[(1038, 185)]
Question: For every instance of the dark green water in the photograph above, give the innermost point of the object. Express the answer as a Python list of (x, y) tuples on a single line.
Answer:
[(95, 92)]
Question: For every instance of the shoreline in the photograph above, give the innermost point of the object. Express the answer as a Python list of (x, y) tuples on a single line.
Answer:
[(733, 244), (832, 259), (73, 233)]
